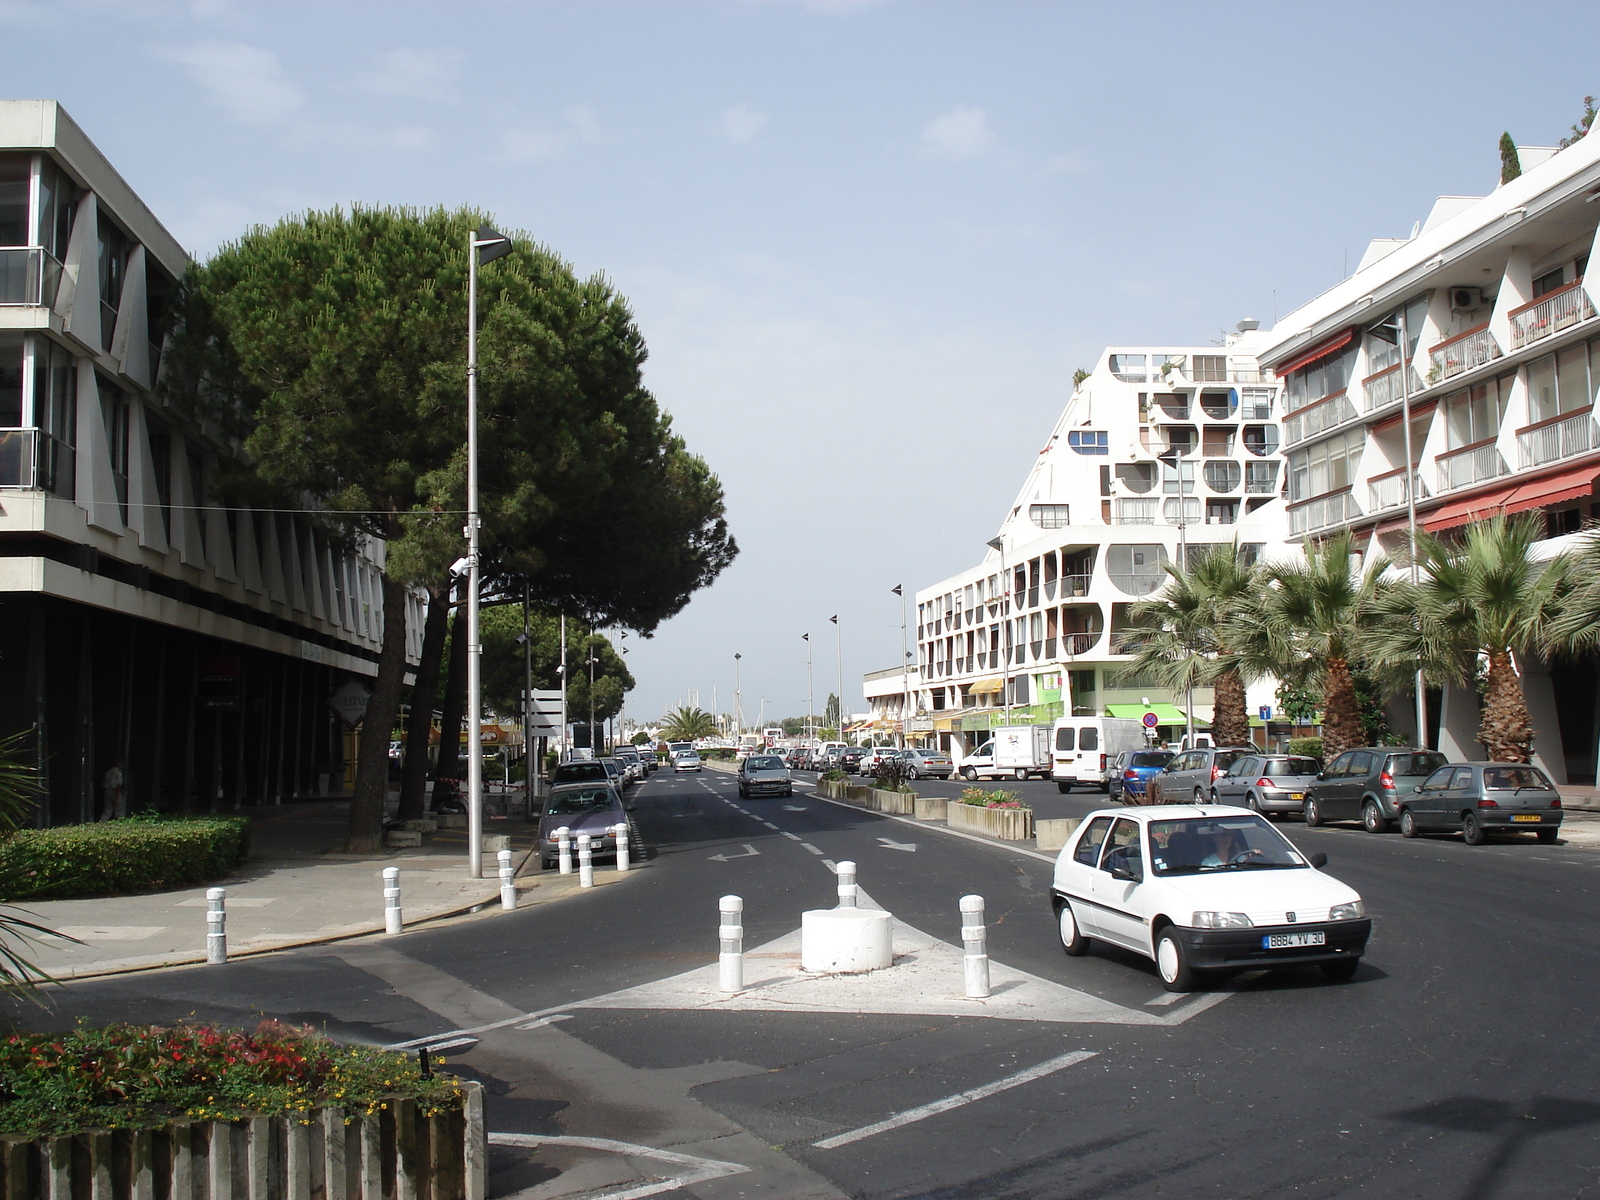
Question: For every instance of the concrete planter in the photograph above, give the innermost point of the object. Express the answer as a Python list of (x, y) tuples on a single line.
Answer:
[(338, 1154), (1053, 834), (929, 808), (896, 803), (1006, 824), (856, 793)]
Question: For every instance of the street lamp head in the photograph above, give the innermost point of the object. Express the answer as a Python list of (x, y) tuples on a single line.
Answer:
[(996, 543)]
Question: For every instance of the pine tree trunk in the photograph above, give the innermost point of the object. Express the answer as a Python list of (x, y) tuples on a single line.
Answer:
[(453, 707), (1505, 730), (377, 727), (1230, 720), (1341, 711), (419, 725)]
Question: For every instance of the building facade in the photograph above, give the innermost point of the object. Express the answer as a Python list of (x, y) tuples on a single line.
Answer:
[(146, 629), (1481, 328)]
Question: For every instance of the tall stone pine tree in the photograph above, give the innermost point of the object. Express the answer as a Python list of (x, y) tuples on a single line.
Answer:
[(336, 342)]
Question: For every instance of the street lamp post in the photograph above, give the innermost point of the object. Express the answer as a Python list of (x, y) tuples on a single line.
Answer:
[(999, 543), (811, 693), (838, 637), (738, 703), (905, 670)]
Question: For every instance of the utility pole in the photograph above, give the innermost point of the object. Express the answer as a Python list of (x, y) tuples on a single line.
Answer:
[(566, 729), (527, 705), (838, 637), (905, 671), (811, 694), (738, 703), (999, 543)]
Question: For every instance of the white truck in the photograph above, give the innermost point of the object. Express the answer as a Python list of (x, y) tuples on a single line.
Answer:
[(1012, 752), (1083, 747)]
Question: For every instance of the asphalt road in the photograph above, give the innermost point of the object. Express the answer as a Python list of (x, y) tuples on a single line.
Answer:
[(1460, 1062)]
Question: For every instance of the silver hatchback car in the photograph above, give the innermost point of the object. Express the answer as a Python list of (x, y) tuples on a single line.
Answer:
[(1267, 783), (1480, 798)]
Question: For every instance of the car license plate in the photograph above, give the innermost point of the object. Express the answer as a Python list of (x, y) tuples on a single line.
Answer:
[(1526, 817), (1297, 795), (1282, 941)]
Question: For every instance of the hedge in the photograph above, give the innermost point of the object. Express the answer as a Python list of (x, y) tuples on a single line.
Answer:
[(138, 854), (1310, 747)]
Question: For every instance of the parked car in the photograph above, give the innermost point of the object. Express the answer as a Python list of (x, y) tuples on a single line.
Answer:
[(873, 756), (631, 763), (1200, 889), (1480, 798), (1084, 748), (1267, 783), (1133, 772), (580, 771), (850, 758), (764, 775), (920, 763), (620, 774), (686, 760), (592, 808), (980, 763), (1367, 785), (798, 759), (1189, 776)]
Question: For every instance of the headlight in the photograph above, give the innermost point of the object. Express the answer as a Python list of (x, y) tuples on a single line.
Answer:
[(1347, 912), (1220, 920)]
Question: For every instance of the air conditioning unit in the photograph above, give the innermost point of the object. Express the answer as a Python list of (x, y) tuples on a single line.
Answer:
[(1465, 299)]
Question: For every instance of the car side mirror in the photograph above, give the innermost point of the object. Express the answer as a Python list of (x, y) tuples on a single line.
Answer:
[(1122, 869), (1322, 775), (631, 807), (1416, 787), (1319, 860)]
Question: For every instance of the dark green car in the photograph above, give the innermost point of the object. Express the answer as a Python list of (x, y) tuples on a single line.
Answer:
[(1481, 798), (1367, 785)]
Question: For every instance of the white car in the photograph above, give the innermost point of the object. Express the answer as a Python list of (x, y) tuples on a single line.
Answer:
[(686, 760), (1202, 888)]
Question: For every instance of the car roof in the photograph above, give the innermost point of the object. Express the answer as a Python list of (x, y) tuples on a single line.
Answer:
[(1167, 812)]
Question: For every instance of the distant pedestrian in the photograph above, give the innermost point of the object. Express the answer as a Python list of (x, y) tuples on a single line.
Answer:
[(116, 798)]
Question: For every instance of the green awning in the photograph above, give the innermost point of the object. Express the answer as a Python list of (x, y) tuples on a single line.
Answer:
[(1166, 714)]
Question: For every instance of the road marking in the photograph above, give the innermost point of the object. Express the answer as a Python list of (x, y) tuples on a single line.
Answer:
[(769, 825), (543, 1021), (811, 848), (971, 837), (1166, 998), (922, 1112), (889, 844), (793, 837), (749, 852), (700, 1170), (794, 808)]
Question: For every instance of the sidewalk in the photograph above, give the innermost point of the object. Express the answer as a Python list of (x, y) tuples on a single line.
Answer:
[(296, 888)]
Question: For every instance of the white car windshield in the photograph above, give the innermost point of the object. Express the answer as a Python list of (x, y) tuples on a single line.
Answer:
[(1202, 845)]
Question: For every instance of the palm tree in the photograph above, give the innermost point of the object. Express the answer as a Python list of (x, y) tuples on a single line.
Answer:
[(1487, 600), (1182, 634), (1309, 628), (687, 724)]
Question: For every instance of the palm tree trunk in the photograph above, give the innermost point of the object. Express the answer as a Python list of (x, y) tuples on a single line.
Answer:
[(1230, 720), (1505, 730), (1341, 711)]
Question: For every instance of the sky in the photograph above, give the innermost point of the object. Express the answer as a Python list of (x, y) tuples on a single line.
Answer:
[(867, 241)]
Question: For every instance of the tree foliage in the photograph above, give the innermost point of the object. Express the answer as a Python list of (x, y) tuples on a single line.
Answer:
[(1510, 161), (686, 724), (503, 664)]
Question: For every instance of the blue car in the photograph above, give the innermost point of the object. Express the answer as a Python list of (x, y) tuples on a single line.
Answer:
[(1134, 768)]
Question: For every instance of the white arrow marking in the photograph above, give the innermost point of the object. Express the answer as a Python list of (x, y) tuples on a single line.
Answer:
[(793, 808), (889, 845), (749, 852)]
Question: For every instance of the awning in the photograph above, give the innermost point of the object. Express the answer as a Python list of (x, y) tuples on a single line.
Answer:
[(942, 724), (1166, 714), (1311, 356), (984, 686), (1472, 508), (1552, 489)]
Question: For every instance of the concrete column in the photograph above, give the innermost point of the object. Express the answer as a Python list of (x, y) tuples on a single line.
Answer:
[(1458, 723), (1548, 750)]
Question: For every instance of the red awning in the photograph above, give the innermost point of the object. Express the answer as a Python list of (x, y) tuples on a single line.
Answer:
[(1552, 489), (1470, 508), (1311, 356)]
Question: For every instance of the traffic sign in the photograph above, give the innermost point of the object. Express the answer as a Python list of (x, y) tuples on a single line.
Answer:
[(1151, 720), (349, 700), (1266, 712)]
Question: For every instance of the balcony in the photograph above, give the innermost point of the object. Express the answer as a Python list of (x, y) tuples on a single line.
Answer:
[(1248, 376), (1469, 465), (1261, 479), (1560, 437), (1125, 641), (1383, 389), (1325, 511), (31, 458), (1174, 406), (28, 275), (1551, 313), (1318, 418), (1462, 353), (1389, 491), (1074, 644), (1218, 406), (1135, 512), (1078, 585)]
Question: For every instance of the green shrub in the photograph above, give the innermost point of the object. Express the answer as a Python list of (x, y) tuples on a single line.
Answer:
[(991, 798), (1310, 747), (833, 775), (129, 1076), (138, 854)]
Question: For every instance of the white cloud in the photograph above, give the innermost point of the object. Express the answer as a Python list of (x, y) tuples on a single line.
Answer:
[(958, 134), (580, 127), (246, 80), (424, 74), (741, 123), (1066, 163)]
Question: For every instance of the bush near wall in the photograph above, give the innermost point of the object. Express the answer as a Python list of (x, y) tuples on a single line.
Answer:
[(1310, 747), (138, 854)]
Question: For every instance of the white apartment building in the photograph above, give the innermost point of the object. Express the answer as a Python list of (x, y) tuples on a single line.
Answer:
[(1159, 451), (1482, 326)]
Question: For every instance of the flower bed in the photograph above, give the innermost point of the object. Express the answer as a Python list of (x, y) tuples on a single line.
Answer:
[(996, 814), (114, 857)]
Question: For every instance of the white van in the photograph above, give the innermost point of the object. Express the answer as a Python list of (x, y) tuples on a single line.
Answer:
[(1083, 747)]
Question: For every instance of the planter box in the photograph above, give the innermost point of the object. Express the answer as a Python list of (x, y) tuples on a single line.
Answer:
[(1006, 824), (856, 793), (898, 803), (338, 1154), (929, 808), (1053, 834)]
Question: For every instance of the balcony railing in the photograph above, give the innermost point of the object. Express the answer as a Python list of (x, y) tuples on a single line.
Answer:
[(31, 458), (1073, 644), (1136, 512), (1557, 438), (28, 275), (1246, 376), (1077, 585), (1309, 422), (1389, 491), (1125, 641), (1550, 314), (1260, 482), (1328, 510), (1463, 352), (1383, 389), (1470, 465)]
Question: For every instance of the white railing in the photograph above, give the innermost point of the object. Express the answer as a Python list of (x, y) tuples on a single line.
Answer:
[(1469, 467), (1383, 390), (1462, 353), (1550, 315), (1321, 513), (1390, 491), (1324, 416), (1261, 482), (1557, 440), (1136, 512)]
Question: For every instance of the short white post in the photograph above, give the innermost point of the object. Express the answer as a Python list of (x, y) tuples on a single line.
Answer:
[(564, 849), (585, 861), (620, 830), (393, 919), (216, 925), (974, 940), (508, 885), (730, 934), (847, 884)]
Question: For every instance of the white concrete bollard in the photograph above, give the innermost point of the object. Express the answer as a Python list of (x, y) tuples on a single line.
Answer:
[(975, 941), (216, 925), (393, 918), (621, 831), (847, 884), (508, 884), (564, 849), (585, 861), (730, 934)]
